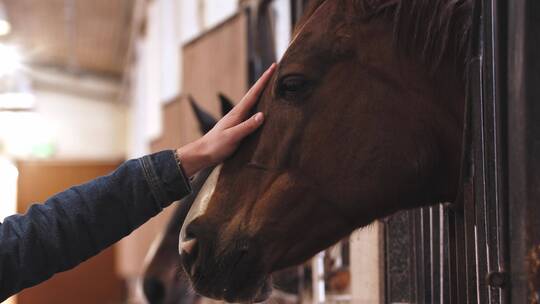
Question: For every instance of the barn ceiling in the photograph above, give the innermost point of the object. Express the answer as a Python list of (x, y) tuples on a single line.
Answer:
[(76, 35)]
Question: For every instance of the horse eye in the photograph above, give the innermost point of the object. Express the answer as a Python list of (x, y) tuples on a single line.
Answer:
[(291, 87)]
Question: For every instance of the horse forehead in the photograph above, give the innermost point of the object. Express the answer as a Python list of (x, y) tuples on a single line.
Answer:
[(329, 31)]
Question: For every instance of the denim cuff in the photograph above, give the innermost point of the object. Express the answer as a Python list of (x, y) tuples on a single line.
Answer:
[(165, 177)]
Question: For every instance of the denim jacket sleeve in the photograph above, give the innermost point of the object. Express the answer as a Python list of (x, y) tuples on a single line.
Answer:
[(76, 224)]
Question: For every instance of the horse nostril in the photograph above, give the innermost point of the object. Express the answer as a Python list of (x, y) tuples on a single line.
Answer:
[(154, 290), (241, 252), (188, 246)]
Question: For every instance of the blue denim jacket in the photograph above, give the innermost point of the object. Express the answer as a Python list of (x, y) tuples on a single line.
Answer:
[(78, 223)]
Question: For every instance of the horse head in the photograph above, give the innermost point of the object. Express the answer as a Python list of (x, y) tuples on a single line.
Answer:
[(364, 117)]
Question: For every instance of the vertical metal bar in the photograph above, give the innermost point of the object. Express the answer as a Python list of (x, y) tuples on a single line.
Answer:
[(445, 255), (420, 266), (524, 149), (487, 162), (491, 144), (414, 268), (469, 233), (501, 72), (319, 286), (425, 256), (453, 257), (496, 62), (457, 256), (435, 253), (471, 181), (480, 186), (461, 256)]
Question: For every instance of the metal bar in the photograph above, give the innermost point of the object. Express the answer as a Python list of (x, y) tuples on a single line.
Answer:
[(414, 252), (469, 186), (469, 233), (452, 257), (435, 253), (491, 144), (319, 285), (488, 170), (479, 180), (524, 149), (501, 72), (445, 254), (425, 257)]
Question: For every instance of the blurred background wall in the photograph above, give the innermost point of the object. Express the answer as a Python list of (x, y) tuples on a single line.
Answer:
[(83, 86)]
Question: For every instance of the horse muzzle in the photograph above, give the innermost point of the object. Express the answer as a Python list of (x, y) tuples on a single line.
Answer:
[(233, 275)]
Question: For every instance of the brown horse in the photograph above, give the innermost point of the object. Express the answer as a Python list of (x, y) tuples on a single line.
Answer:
[(364, 117)]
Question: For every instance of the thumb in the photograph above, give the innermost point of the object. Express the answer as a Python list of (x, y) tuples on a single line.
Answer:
[(247, 127)]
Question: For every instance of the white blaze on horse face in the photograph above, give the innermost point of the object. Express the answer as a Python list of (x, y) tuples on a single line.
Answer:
[(199, 207)]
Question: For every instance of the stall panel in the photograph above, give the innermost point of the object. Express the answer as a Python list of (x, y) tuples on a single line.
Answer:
[(95, 280)]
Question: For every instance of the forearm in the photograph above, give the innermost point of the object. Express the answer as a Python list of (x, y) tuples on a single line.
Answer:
[(78, 223)]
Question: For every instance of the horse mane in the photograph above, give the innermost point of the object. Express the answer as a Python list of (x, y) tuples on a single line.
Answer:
[(439, 29), (432, 30)]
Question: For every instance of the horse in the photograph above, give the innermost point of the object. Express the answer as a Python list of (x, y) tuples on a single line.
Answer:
[(364, 117), (163, 280)]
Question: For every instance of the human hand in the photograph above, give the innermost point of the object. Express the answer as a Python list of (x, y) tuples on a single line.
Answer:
[(218, 144)]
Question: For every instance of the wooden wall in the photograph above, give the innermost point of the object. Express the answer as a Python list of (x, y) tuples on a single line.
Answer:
[(213, 63), (94, 281), (217, 62)]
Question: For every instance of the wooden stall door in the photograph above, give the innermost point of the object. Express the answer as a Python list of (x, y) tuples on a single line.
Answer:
[(95, 280)]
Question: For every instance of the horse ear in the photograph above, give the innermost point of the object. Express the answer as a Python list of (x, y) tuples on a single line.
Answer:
[(205, 120), (226, 104)]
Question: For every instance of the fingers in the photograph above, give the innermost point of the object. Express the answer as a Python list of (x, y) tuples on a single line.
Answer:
[(254, 92), (251, 97), (247, 127)]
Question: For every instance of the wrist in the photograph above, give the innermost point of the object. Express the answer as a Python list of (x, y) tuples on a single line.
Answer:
[(193, 158)]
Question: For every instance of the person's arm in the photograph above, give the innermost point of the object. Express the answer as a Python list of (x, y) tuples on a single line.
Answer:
[(78, 223)]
